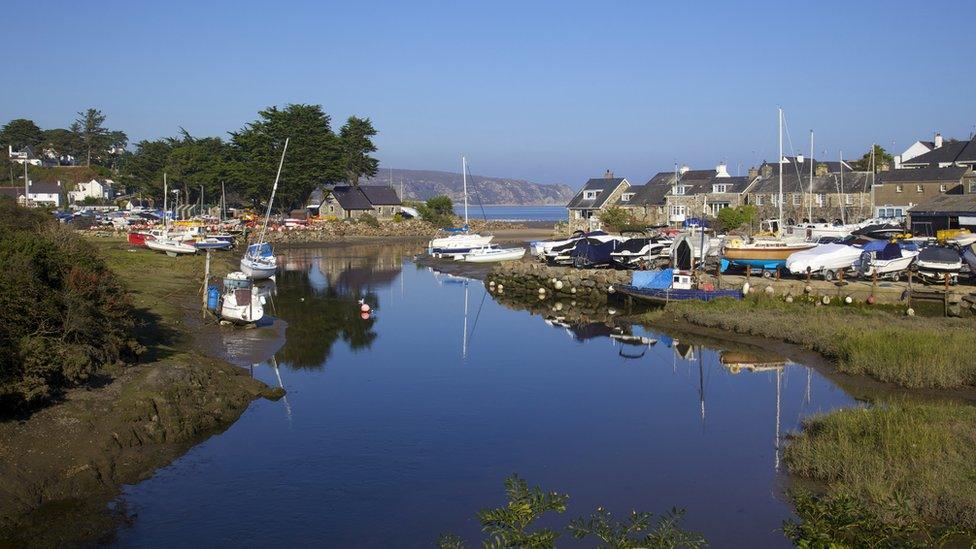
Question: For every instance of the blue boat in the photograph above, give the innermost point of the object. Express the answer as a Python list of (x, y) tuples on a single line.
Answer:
[(667, 285)]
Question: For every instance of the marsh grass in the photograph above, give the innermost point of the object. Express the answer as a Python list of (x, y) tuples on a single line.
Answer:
[(901, 464), (912, 352)]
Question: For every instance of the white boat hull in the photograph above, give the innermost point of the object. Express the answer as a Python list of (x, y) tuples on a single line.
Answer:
[(491, 256), (826, 257), (170, 247), (459, 243), (250, 309), (259, 269)]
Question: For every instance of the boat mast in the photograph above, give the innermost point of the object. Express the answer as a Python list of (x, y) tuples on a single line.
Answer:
[(464, 179), (873, 171), (843, 202), (810, 198), (223, 202), (779, 226), (165, 205), (274, 188)]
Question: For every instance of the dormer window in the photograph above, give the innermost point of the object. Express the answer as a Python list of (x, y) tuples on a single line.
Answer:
[(679, 190), (626, 197), (591, 195), (720, 188)]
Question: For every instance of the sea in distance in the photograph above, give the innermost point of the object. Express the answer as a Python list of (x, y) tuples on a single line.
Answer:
[(513, 213)]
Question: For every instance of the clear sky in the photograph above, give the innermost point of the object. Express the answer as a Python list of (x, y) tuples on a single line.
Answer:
[(548, 91)]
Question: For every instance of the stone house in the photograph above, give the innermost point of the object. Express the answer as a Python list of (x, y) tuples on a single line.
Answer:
[(897, 191), (385, 200), (829, 195), (704, 193), (350, 202), (597, 195), (647, 202)]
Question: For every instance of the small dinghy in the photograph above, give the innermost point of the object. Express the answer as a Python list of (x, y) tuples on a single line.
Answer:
[(888, 262), (212, 243), (936, 262), (489, 255)]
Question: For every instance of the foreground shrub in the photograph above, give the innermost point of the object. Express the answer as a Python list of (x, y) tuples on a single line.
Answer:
[(63, 313)]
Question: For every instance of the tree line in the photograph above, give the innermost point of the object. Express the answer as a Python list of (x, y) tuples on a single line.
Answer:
[(244, 164)]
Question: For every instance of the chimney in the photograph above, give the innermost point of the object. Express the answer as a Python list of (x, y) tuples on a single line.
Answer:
[(821, 169), (767, 170), (721, 170), (684, 169), (938, 140), (753, 172), (608, 175), (799, 159)]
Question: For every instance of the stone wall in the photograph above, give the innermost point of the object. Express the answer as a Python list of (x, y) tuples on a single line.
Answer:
[(526, 278)]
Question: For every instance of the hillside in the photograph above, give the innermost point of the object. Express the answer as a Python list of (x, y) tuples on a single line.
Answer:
[(423, 184)]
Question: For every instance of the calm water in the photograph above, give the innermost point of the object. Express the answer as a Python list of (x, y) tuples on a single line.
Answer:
[(514, 213), (402, 426)]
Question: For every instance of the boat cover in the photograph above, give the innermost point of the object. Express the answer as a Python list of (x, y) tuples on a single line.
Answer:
[(634, 245), (938, 254), (969, 254), (682, 256), (875, 246), (594, 251), (260, 250), (891, 251), (652, 279)]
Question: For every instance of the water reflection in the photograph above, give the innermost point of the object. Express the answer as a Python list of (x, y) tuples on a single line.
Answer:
[(418, 413)]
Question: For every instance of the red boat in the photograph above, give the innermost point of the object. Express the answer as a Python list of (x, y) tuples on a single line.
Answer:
[(139, 238)]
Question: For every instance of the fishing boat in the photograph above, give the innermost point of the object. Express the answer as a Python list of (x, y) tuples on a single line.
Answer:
[(885, 260), (461, 241), (490, 255), (935, 263), (259, 261), (162, 241), (667, 285), (825, 259), (241, 303)]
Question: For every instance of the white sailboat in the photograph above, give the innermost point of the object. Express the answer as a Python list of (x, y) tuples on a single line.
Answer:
[(241, 302), (259, 261), (463, 241), (164, 243)]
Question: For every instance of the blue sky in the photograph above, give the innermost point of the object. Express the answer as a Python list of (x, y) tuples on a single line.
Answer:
[(548, 91)]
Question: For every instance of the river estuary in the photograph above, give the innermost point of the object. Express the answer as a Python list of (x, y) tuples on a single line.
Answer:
[(402, 425)]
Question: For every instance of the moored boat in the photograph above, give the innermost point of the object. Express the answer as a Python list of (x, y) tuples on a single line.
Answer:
[(241, 303), (489, 255), (667, 285), (259, 261)]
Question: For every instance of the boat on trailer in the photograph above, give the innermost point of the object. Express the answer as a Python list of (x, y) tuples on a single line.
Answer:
[(935, 263), (889, 260)]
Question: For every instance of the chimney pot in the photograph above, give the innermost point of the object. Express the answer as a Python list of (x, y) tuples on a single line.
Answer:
[(608, 174), (938, 140)]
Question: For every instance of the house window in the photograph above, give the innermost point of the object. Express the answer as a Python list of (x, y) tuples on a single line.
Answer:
[(942, 188), (626, 197), (679, 190), (759, 200), (848, 199), (897, 188), (918, 188), (677, 210), (591, 195), (796, 200), (972, 186), (820, 200), (331, 208), (721, 188)]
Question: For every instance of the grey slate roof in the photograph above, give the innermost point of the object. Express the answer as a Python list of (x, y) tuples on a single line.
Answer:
[(45, 187), (351, 198), (854, 182), (791, 167), (607, 185), (700, 184), (947, 204), (958, 151), (12, 192), (381, 195), (654, 191), (928, 173)]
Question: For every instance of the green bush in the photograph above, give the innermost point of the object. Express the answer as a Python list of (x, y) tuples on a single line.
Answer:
[(369, 220), (734, 218), (616, 218), (63, 313), (438, 210)]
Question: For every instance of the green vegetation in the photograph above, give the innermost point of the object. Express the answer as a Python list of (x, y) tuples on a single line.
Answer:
[(882, 160), (20, 134), (438, 210), (734, 218), (357, 143), (511, 525), (912, 352), (63, 314), (616, 218), (369, 220), (898, 473)]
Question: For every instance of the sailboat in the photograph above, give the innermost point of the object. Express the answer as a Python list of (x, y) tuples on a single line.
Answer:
[(163, 242), (766, 254), (259, 261), (462, 241)]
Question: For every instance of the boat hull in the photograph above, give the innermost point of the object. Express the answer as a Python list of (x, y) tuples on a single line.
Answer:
[(512, 254), (258, 270), (170, 247), (662, 296)]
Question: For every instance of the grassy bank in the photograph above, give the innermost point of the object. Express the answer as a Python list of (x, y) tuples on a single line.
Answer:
[(910, 351), (895, 473)]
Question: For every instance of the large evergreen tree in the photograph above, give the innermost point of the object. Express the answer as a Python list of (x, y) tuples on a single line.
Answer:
[(62, 142), (20, 134), (314, 154), (90, 129), (356, 136)]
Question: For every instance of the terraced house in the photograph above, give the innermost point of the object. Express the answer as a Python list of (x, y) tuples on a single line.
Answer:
[(897, 191), (596, 196), (834, 192), (647, 203), (704, 193)]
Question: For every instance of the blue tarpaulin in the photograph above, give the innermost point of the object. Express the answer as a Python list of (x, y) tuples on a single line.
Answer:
[(659, 280)]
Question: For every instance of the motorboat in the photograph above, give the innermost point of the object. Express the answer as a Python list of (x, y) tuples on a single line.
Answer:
[(562, 254), (880, 231), (593, 252), (170, 246), (490, 255), (935, 263), (885, 260), (540, 248), (824, 259), (259, 262), (241, 302), (813, 232), (765, 254), (211, 243), (641, 250)]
